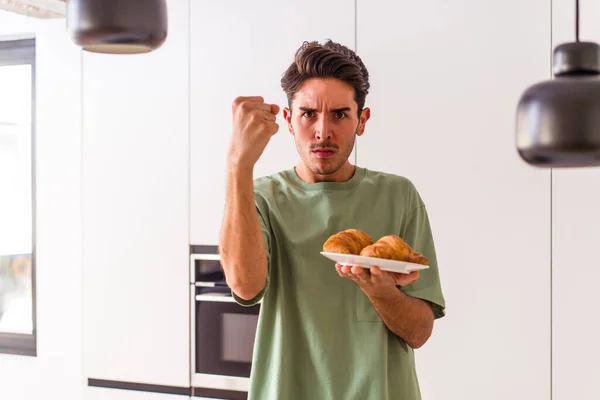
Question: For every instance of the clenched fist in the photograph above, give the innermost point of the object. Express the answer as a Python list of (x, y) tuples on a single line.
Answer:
[(253, 125)]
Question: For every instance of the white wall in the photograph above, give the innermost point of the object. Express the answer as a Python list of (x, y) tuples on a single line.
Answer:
[(56, 372)]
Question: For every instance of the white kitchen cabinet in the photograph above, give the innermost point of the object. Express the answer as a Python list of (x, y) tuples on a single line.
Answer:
[(446, 78), (242, 48), (94, 393), (576, 240), (575, 273), (135, 212)]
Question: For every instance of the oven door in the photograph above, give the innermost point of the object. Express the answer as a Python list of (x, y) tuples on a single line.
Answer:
[(223, 340)]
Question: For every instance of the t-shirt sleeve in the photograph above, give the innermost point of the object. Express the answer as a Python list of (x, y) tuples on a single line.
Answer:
[(417, 233), (266, 239)]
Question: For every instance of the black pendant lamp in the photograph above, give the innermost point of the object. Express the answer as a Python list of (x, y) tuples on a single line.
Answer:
[(117, 26), (558, 121)]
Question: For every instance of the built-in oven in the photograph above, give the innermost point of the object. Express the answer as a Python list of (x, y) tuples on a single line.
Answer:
[(223, 331)]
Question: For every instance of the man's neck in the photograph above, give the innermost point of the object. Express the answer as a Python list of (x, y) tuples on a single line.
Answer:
[(345, 173)]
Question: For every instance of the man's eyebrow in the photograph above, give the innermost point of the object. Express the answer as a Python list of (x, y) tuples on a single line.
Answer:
[(335, 110), (341, 109)]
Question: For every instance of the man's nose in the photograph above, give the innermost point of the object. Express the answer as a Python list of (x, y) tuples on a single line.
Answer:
[(323, 130)]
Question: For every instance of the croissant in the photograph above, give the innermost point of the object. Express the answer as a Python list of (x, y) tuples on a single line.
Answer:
[(392, 247), (349, 241)]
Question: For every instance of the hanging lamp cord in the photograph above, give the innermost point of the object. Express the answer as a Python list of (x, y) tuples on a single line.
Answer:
[(577, 20)]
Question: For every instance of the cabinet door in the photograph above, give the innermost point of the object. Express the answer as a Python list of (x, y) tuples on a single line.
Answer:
[(576, 240), (93, 393), (446, 78), (575, 277), (135, 222), (242, 48)]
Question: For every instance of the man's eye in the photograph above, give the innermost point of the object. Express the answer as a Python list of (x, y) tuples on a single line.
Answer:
[(308, 114), (340, 115)]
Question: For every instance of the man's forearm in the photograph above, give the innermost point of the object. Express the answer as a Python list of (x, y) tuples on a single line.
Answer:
[(408, 317), (241, 245)]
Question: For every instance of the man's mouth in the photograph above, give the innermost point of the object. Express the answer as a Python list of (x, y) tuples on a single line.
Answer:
[(323, 153)]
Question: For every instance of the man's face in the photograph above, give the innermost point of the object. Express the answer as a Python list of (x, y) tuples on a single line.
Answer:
[(324, 122)]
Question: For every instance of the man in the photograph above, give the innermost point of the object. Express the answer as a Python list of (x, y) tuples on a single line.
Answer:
[(325, 331)]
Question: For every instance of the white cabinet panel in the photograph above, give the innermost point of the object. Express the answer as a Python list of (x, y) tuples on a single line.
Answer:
[(242, 48), (576, 240), (446, 78), (93, 393), (575, 273), (135, 201)]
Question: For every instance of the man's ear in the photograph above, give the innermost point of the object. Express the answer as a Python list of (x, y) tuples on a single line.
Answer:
[(287, 115), (362, 121)]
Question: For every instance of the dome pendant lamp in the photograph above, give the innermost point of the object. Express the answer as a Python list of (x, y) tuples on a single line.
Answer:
[(117, 26), (558, 121)]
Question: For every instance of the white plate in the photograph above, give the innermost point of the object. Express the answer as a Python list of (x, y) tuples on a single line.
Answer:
[(402, 267)]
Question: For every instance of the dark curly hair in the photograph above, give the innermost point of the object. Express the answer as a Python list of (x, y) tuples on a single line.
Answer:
[(328, 60)]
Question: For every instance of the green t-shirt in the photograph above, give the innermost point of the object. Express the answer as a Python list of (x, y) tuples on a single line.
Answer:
[(318, 336)]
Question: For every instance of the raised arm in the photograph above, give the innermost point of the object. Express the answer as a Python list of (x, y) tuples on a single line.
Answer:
[(241, 246)]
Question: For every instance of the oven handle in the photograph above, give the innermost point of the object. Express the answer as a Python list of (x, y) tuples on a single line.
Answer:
[(215, 297), (209, 284)]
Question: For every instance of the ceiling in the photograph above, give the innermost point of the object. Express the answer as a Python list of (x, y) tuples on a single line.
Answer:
[(35, 8)]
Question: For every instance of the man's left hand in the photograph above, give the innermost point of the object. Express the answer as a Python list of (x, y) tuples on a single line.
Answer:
[(373, 279)]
